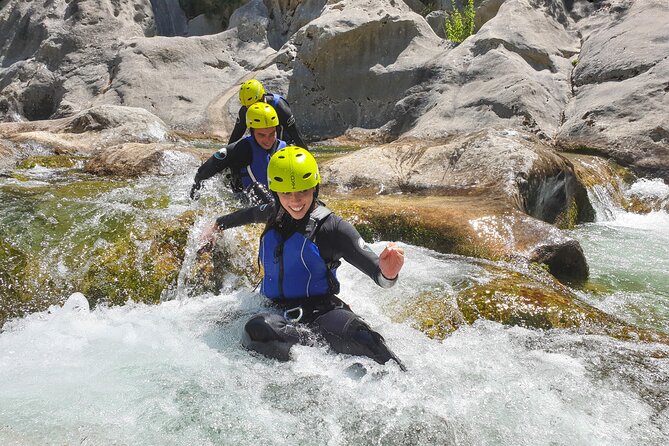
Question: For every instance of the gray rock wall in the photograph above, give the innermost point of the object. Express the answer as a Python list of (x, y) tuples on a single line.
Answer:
[(577, 73)]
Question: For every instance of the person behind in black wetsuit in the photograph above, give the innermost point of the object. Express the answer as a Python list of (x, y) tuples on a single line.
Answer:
[(247, 159), (252, 92), (300, 251)]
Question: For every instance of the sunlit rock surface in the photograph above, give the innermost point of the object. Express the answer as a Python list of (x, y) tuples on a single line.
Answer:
[(87, 131)]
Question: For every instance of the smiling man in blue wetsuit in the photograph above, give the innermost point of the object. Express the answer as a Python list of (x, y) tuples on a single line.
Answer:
[(300, 251), (247, 159), (252, 92)]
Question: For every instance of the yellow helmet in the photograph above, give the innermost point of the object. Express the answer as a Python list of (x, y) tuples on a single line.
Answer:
[(261, 116), (251, 92), (292, 169)]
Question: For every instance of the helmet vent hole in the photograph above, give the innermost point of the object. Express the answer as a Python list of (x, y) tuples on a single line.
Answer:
[(306, 175), (297, 155), (278, 179)]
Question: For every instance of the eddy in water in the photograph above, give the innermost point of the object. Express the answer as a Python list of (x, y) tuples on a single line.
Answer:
[(300, 251)]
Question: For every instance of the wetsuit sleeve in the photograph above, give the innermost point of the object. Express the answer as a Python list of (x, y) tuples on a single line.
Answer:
[(240, 126), (255, 214), (233, 156), (287, 120), (337, 239)]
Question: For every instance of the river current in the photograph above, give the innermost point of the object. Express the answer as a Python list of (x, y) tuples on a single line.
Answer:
[(175, 374)]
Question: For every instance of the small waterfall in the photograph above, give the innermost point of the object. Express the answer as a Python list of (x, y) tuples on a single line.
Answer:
[(605, 201)]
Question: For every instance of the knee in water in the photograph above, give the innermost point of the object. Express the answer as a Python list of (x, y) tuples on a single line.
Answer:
[(259, 330)]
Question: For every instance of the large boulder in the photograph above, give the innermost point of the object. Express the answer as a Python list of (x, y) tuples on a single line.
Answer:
[(621, 102), (513, 73), (137, 159), (59, 54), (63, 58), (87, 131), (471, 226), (506, 164), (494, 194)]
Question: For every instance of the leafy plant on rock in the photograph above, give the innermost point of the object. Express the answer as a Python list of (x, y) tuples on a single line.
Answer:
[(460, 25)]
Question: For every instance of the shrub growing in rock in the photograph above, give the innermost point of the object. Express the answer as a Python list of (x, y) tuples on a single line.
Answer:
[(460, 25)]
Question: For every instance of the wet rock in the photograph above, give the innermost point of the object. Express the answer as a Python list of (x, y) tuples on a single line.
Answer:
[(471, 226), (135, 159), (528, 298), (508, 165), (87, 131)]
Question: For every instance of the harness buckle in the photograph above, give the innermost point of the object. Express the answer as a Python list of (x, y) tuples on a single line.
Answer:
[(298, 310)]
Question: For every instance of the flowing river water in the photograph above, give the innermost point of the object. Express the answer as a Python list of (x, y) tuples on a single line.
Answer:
[(175, 374)]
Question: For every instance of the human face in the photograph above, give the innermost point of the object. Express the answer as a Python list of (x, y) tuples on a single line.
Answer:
[(297, 204), (265, 137)]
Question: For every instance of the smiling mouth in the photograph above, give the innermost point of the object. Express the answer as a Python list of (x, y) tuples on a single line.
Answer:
[(298, 209)]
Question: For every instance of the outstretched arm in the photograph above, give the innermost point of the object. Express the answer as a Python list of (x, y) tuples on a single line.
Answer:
[(232, 156), (255, 214), (338, 238)]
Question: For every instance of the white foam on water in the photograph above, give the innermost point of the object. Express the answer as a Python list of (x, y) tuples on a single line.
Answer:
[(175, 373)]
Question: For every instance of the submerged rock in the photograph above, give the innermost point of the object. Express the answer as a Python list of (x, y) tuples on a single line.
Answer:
[(514, 297)]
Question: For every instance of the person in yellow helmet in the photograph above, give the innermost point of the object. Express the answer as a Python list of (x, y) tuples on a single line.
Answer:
[(246, 159), (300, 251), (251, 92)]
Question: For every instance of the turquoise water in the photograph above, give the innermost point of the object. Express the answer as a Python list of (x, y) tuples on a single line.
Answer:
[(628, 256), (175, 374)]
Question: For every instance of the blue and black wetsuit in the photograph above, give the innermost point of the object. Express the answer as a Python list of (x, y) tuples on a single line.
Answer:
[(300, 259), (246, 162), (287, 130)]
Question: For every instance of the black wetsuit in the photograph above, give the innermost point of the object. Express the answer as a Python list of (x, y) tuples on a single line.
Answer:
[(329, 318), (287, 129), (235, 157)]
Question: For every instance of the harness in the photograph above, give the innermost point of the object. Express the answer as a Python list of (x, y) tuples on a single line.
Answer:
[(256, 171), (295, 272)]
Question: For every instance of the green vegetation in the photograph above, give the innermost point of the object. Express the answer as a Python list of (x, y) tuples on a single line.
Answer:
[(460, 25), (49, 161), (138, 266)]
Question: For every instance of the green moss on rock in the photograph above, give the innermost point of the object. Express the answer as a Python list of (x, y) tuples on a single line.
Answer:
[(139, 267), (376, 221), (433, 313), (48, 161), (513, 298)]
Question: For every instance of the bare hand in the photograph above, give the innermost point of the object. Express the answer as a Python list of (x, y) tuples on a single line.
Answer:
[(208, 237), (391, 260)]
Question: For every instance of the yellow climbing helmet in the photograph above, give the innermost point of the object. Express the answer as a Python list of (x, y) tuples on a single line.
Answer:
[(251, 92), (261, 116), (292, 169)]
